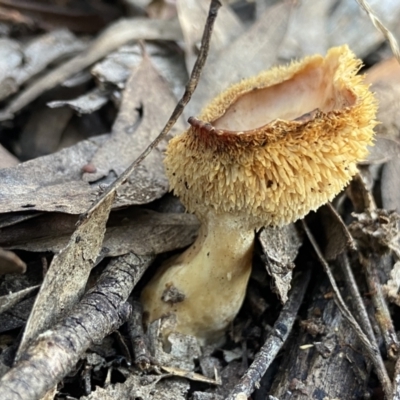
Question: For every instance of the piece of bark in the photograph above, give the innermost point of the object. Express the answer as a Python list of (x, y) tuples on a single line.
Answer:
[(280, 246), (331, 366), (55, 352), (275, 340)]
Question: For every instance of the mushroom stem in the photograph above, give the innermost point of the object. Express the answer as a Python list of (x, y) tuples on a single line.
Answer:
[(204, 287)]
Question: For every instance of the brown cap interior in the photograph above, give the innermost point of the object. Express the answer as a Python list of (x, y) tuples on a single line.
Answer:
[(314, 87)]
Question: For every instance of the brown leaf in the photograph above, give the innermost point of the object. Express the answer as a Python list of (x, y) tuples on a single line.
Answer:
[(145, 91), (19, 63), (134, 230), (51, 183), (192, 16), (385, 81), (390, 183), (68, 273), (338, 237), (280, 246)]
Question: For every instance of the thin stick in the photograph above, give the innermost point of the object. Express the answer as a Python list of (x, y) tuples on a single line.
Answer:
[(370, 348), (379, 25), (274, 342), (190, 88), (141, 354), (356, 297), (382, 313)]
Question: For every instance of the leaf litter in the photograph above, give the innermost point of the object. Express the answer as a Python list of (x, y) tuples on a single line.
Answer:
[(129, 96)]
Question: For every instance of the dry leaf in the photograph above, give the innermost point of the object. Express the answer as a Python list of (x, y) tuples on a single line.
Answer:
[(68, 273), (385, 82), (85, 104), (390, 183), (280, 246), (110, 39), (337, 236), (192, 16), (116, 68), (302, 37), (383, 150), (51, 183), (134, 230), (20, 63), (42, 132), (349, 23), (146, 105)]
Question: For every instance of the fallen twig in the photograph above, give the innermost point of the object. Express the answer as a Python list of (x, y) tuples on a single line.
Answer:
[(371, 349), (379, 25), (356, 297), (274, 342), (190, 88), (55, 352), (141, 354)]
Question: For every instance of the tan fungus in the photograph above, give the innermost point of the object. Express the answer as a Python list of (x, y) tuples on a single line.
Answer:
[(277, 145), (265, 152)]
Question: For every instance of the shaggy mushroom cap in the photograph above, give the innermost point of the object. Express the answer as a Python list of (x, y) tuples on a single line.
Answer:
[(265, 152), (274, 147)]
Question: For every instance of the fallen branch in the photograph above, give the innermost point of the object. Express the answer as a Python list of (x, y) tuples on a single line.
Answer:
[(55, 352)]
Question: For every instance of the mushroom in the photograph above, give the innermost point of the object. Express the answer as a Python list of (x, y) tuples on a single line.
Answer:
[(264, 152)]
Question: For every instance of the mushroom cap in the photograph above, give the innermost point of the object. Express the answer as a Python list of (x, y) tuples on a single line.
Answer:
[(277, 145)]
